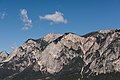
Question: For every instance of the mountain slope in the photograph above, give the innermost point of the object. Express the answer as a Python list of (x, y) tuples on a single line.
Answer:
[(66, 56)]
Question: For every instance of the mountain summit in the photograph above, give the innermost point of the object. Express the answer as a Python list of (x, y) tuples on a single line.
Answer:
[(68, 56), (3, 55)]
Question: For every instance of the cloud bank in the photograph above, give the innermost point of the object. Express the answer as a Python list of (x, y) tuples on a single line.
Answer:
[(25, 19), (57, 17)]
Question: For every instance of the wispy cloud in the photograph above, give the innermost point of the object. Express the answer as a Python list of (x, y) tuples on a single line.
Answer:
[(25, 19), (57, 17), (3, 15), (14, 46)]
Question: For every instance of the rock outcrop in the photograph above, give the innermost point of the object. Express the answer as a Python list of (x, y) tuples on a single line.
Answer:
[(3, 56), (68, 56)]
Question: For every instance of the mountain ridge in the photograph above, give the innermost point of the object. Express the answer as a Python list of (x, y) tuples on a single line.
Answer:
[(57, 56)]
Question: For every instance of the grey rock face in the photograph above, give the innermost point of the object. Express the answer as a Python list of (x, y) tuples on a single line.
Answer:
[(3, 56), (66, 57)]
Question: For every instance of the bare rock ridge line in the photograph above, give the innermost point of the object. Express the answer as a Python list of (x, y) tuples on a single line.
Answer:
[(94, 56)]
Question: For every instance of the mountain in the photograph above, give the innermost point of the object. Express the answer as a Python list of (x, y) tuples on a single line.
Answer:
[(68, 56), (3, 56)]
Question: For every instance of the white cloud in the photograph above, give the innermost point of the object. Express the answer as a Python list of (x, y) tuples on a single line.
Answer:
[(25, 19), (57, 17), (2, 15)]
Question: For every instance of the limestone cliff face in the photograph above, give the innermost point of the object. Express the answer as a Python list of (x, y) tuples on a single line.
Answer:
[(66, 57), (3, 56)]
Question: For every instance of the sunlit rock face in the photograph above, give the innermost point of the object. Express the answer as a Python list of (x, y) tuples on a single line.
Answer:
[(3, 56), (66, 56)]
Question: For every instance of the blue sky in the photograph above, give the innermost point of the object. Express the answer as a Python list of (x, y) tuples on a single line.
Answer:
[(23, 19)]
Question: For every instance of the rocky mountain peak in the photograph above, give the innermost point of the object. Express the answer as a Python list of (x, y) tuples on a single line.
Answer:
[(3, 56), (66, 56), (50, 37)]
